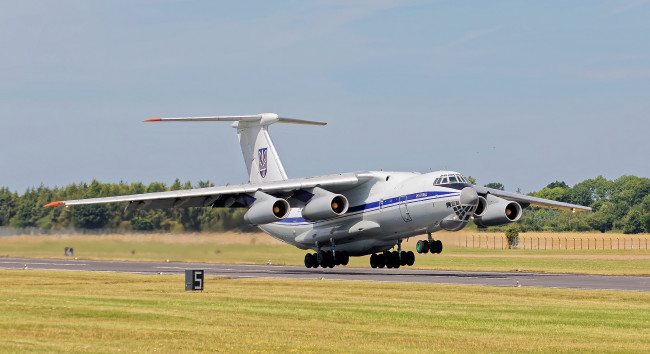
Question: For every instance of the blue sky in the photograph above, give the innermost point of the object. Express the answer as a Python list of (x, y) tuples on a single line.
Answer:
[(517, 92)]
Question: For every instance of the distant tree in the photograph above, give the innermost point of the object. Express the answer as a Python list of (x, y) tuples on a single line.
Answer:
[(557, 193), (7, 205), (495, 185), (471, 180), (633, 225), (90, 216), (156, 187), (24, 216), (141, 223), (557, 184), (512, 235)]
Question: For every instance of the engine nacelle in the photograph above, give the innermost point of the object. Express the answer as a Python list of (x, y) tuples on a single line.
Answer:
[(481, 208), (267, 210), (325, 205), (498, 212)]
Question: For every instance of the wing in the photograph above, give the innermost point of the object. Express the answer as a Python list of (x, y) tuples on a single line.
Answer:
[(526, 200), (225, 196)]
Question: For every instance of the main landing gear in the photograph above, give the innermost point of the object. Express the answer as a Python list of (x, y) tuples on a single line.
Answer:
[(326, 259), (393, 259)]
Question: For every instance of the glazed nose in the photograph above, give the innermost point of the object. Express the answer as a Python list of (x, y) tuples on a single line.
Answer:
[(468, 196)]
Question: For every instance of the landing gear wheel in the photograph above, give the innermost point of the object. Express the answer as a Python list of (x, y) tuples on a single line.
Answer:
[(438, 246), (420, 247), (389, 259), (330, 259), (395, 259), (345, 258), (381, 260), (410, 258), (373, 261), (321, 258), (402, 258), (308, 260)]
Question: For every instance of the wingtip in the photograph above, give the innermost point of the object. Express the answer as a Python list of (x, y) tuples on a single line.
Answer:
[(154, 120), (52, 204)]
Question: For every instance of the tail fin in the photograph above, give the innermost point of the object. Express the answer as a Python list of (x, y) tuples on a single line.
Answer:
[(261, 158)]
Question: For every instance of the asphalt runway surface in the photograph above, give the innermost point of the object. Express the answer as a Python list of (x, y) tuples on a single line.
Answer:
[(401, 275)]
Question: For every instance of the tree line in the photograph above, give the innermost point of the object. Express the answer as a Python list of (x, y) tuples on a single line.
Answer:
[(621, 205), (26, 210)]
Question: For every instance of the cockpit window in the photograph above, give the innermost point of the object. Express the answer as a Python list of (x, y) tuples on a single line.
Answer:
[(447, 179)]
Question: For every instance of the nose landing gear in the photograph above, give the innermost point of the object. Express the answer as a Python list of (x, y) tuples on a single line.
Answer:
[(431, 245)]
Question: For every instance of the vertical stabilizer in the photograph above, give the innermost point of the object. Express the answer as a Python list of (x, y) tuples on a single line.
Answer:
[(261, 158)]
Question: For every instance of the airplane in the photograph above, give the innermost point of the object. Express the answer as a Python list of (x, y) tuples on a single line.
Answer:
[(341, 215)]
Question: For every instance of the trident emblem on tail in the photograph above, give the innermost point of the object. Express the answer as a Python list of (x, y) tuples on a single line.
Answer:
[(262, 160)]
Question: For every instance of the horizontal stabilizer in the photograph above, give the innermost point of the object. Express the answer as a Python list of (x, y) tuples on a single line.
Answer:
[(263, 118)]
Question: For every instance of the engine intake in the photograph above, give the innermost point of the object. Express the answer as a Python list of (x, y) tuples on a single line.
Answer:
[(496, 212), (267, 209), (325, 205)]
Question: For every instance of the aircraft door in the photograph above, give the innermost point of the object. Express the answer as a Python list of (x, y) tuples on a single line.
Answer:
[(403, 209)]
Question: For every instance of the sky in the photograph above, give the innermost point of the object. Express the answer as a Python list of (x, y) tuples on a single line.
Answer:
[(517, 92)]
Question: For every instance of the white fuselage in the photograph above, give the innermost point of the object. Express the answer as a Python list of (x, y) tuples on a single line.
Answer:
[(389, 207)]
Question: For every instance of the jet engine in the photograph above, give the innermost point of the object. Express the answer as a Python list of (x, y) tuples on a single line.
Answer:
[(481, 208), (324, 205), (496, 211), (267, 209)]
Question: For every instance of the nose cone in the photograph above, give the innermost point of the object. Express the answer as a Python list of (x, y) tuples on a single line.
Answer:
[(468, 196)]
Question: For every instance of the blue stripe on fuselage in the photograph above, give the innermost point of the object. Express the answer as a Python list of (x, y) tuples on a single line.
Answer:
[(415, 197)]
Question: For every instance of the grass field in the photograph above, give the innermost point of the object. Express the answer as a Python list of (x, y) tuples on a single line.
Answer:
[(260, 249), (47, 311)]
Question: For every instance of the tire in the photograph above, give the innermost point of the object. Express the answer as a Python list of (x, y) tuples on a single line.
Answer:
[(308, 260), (345, 259), (381, 261), (388, 258), (419, 247), (438, 246), (373, 261), (410, 258), (402, 258), (331, 262), (320, 258), (395, 259), (433, 247)]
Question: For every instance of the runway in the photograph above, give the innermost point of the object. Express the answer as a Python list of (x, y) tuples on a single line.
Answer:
[(401, 275)]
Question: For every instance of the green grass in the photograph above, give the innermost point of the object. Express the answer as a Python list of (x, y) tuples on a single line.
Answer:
[(47, 311), (217, 250)]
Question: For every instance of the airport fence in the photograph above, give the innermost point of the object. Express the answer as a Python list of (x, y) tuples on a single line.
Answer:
[(556, 243)]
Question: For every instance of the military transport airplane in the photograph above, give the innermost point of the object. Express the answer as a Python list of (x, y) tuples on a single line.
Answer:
[(341, 215)]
